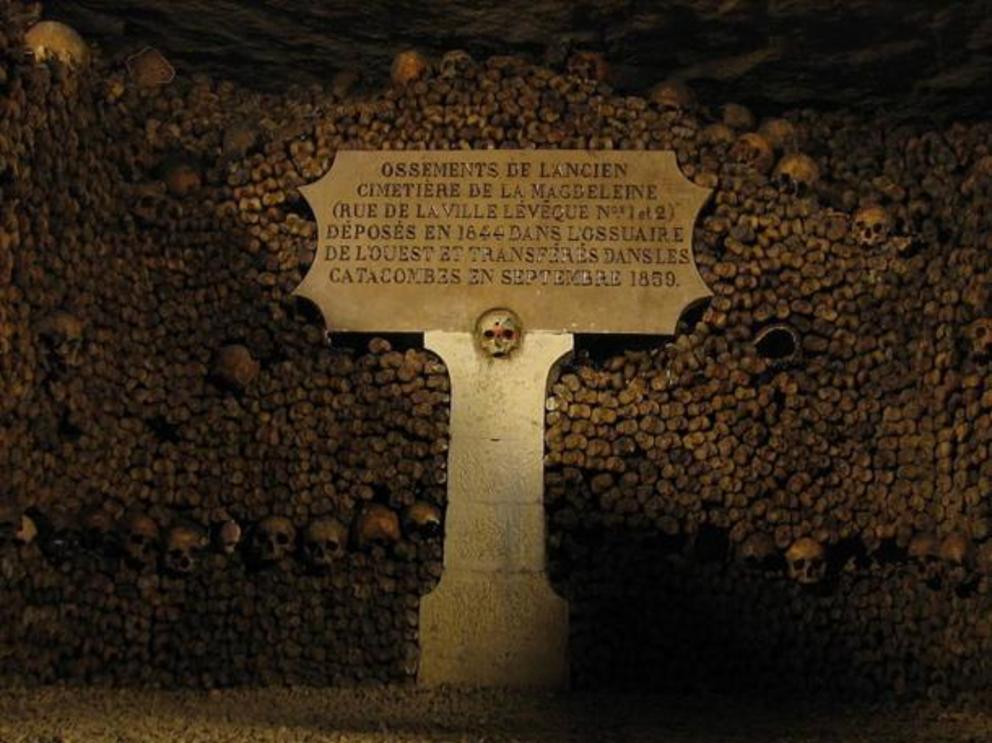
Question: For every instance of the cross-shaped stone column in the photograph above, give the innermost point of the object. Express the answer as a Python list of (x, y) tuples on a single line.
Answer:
[(494, 620)]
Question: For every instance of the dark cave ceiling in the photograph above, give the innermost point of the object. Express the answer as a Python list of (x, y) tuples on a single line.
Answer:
[(907, 57)]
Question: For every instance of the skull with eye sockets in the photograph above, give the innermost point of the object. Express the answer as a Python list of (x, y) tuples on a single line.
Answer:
[(980, 332), (273, 539), (806, 561), (871, 226), (498, 332)]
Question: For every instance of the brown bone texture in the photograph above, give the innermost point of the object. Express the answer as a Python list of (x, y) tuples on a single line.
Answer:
[(833, 388)]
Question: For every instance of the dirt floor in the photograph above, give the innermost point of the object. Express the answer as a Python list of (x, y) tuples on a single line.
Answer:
[(402, 715)]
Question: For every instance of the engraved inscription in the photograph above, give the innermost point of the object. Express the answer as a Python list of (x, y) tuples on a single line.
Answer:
[(574, 241)]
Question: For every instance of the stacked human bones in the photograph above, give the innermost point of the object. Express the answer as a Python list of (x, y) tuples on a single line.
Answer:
[(793, 492)]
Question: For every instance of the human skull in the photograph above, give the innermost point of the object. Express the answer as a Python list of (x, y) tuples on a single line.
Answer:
[(498, 332), (408, 66), (924, 548), (63, 334), (980, 332), (423, 519), (234, 366), (228, 536), (273, 539), (588, 65), (806, 560), (672, 95), (757, 550), (924, 551), (871, 225), (148, 201), (53, 40), (377, 525), (717, 134), (738, 117), (148, 68), (455, 63), (183, 545), (753, 149), (140, 539), (324, 541), (797, 173), (780, 134)]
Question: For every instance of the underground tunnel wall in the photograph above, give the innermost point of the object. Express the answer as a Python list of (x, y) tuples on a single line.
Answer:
[(791, 494)]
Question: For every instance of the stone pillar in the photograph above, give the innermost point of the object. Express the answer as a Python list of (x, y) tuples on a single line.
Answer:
[(493, 619)]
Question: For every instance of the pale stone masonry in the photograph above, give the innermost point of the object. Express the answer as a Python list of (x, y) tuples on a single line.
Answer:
[(494, 620)]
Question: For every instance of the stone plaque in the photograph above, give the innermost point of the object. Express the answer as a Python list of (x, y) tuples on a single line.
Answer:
[(574, 241)]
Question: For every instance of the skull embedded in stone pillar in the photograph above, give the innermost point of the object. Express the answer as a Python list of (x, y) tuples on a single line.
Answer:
[(498, 332), (806, 561), (273, 539)]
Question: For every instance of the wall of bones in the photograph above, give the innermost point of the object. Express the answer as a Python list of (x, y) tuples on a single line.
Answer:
[(793, 493)]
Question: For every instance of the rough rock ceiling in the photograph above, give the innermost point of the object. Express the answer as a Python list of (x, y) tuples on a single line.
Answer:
[(908, 57)]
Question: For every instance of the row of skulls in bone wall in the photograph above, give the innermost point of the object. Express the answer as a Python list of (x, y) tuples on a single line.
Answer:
[(138, 540), (793, 492)]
